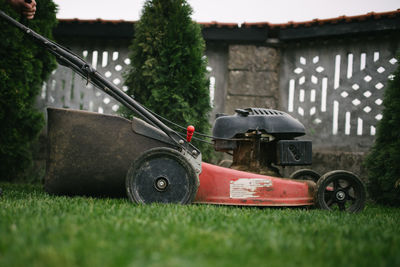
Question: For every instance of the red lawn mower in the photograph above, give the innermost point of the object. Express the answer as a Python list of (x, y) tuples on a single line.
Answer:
[(104, 155)]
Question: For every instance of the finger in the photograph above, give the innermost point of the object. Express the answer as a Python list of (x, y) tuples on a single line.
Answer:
[(28, 6), (29, 15), (28, 12), (32, 9), (25, 5)]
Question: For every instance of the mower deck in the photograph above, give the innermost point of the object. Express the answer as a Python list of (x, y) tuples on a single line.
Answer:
[(225, 186)]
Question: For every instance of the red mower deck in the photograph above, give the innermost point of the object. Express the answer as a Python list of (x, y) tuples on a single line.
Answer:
[(225, 186)]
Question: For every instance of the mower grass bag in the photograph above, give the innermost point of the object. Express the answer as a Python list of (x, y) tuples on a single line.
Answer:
[(89, 153)]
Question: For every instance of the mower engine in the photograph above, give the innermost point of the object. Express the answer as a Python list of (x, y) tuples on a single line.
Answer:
[(260, 138)]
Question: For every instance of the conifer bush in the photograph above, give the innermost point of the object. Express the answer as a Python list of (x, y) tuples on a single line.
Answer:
[(168, 67), (383, 161), (24, 66)]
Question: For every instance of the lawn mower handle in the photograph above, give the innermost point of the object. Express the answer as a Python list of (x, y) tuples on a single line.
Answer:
[(79, 65)]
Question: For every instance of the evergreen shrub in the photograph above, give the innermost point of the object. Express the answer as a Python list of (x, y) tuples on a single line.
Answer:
[(383, 161), (24, 66), (168, 69)]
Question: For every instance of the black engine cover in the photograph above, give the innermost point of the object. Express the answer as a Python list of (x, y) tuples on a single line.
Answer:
[(274, 122)]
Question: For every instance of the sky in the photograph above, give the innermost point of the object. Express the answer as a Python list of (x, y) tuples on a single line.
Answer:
[(236, 11)]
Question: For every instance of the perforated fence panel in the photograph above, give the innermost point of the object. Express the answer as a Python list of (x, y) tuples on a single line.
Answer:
[(66, 89), (336, 89)]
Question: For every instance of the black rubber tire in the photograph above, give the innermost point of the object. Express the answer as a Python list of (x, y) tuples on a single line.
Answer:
[(340, 190), (305, 174), (179, 179)]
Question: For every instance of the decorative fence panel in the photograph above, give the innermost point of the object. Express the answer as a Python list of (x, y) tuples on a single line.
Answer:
[(336, 89), (67, 89)]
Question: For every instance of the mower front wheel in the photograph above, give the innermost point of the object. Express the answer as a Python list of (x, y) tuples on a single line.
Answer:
[(161, 175), (340, 190)]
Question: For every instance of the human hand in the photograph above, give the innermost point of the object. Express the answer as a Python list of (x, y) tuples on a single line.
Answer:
[(27, 9)]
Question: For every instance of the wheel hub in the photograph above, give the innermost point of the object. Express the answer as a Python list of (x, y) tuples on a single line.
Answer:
[(340, 195), (161, 184)]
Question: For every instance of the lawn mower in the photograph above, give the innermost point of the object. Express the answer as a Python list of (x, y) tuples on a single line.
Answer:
[(105, 155)]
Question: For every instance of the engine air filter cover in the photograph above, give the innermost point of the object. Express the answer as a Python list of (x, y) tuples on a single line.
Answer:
[(294, 152)]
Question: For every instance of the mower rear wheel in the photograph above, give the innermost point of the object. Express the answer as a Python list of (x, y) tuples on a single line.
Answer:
[(305, 174), (161, 175), (340, 190)]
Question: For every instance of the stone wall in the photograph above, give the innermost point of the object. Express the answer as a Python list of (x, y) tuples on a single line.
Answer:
[(253, 77)]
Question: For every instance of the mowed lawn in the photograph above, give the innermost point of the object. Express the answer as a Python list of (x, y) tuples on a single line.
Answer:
[(37, 229)]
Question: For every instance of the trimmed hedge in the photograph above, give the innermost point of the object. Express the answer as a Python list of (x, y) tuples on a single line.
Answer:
[(24, 67), (383, 161), (168, 71)]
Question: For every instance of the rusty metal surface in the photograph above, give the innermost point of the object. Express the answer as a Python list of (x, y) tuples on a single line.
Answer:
[(224, 186), (253, 155), (90, 153)]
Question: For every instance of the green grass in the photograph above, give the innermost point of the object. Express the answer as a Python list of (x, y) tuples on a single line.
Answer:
[(37, 229)]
